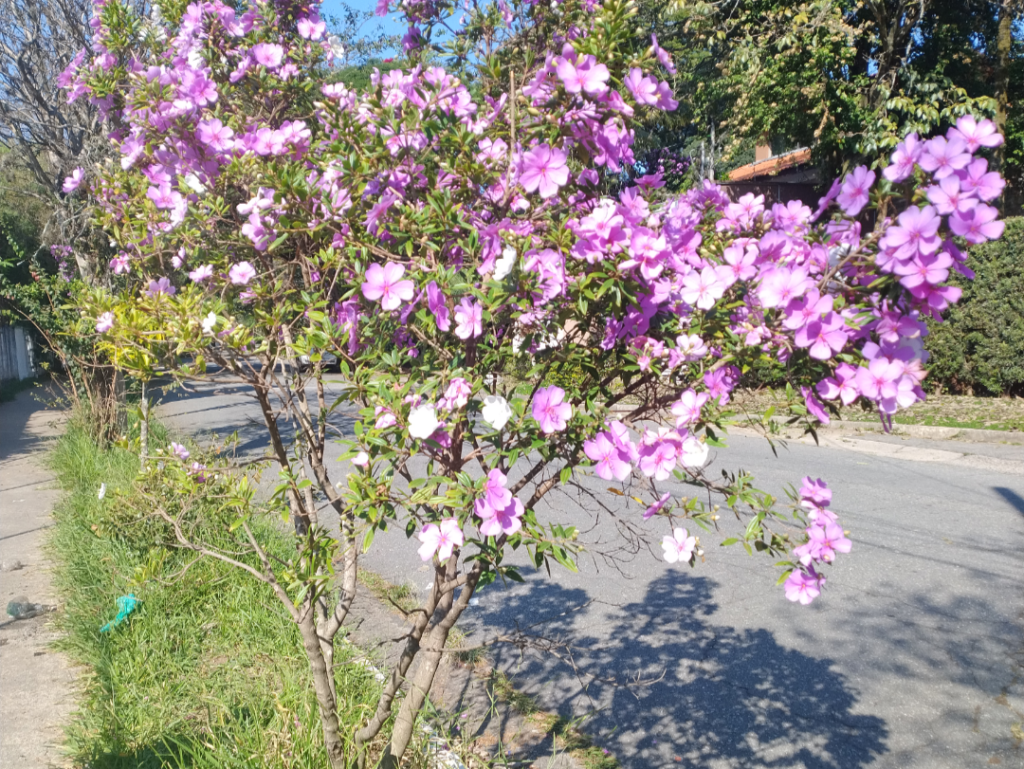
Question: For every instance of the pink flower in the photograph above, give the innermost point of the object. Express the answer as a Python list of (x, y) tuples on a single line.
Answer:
[(498, 521), (496, 496), (311, 27), (826, 540), (441, 539), (215, 135), (270, 55), (687, 408), (180, 451), (72, 182), (824, 337), (201, 273), (104, 323), (550, 410), (468, 318), (679, 547), (240, 274), (119, 264), (856, 190), (659, 455), (457, 394), (814, 407), (611, 461), (544, 169), (947, 196), (781, 285), (362, 459), (803, 586), (384, 418), (386, 284), (815, 491), (703, 288), (976, 134), (587, 75)]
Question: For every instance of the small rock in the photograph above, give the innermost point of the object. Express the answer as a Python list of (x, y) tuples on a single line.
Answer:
[(11, 565), (21, 608)]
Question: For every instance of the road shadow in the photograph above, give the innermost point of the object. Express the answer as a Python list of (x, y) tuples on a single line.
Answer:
[(1015, 500), (715, 695)]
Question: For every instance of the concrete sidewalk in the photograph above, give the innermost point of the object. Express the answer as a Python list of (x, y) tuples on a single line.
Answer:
[(36, 684)]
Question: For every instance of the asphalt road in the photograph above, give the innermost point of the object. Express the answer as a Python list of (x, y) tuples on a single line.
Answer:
[(912, 657)]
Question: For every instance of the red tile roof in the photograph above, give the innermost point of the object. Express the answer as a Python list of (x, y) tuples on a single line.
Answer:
[(771, 166)]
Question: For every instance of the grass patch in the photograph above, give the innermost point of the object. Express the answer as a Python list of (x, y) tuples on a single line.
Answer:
[(210, 671), (959, 411), (402, 597)]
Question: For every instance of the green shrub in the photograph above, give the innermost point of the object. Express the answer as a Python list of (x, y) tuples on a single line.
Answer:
[(980, 347)]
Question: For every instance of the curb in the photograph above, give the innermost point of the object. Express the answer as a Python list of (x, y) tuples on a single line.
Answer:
[(969, 434)]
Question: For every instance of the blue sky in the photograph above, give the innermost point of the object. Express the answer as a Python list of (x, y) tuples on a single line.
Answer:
[(390, 23)]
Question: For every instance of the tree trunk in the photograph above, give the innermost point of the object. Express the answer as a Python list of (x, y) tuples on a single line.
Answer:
[(423, 678), (322, 685), (1002, 77)]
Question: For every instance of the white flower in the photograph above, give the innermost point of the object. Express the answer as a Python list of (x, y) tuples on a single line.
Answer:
[(209, 322), (423, 422), (496, 411), (103, 491), (504, 266), (336, 46), (193, 181), (695, 453), (362, 459)]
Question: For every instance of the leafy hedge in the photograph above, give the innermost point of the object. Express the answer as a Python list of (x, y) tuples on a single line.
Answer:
[(979, 348)]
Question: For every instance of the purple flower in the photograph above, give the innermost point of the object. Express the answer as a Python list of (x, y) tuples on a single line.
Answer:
[(104, 323), (468, 318), (71, 183), (977, 225), (814, 407), (550, 409), (436, 303), (907, 153), (974, 179), (386, 284), (663, 56), (824, 336), (914, 233), (942, 157), (544, 169), (856, 190), (781, 285), (240, 274), (162, 286), (657, 507), (976, 134), (180, 451), (201, 273), (270, 55), (644, 89)]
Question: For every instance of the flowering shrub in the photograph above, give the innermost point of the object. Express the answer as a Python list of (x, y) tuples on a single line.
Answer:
[(435, 238)]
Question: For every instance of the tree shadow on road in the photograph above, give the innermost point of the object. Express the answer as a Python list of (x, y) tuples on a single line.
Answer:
[(726, 697)]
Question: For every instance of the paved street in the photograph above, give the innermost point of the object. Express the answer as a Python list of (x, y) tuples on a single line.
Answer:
[(913, 656)]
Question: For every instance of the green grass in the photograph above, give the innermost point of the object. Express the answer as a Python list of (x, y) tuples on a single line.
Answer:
[(209, 672)]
